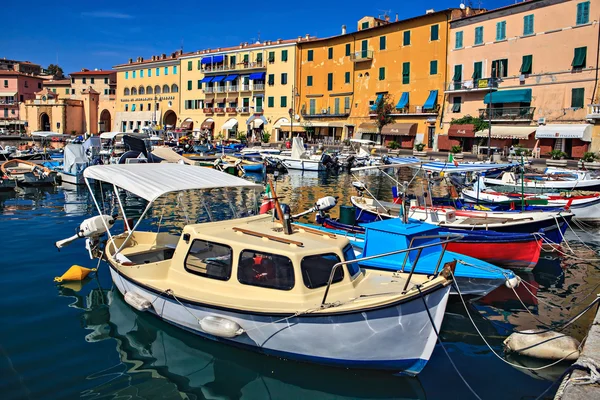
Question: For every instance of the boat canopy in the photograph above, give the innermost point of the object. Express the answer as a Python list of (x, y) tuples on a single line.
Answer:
[(150, 181), (109, 135), (48, 134), (438, 166)]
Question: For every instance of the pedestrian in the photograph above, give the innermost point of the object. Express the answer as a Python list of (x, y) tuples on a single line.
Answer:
[(511, 151)]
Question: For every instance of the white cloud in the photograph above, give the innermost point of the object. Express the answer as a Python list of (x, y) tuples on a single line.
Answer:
[(106, 14)]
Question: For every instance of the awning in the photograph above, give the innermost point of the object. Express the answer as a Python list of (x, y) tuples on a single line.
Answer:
[(7, 94), (218, 78), (431, 100), (403, 101), (207, 125), (257, 123), (328, 124), (377, 100), (187, 124), (258, 76), (462, 130), (231, 78), (508, 96), (564, 131), (367, 127), (150, 181), (508, 132), (206, 79), (579, 59), (232, 100), (221, 100), (399, 130), (212, 59), (526, 65), (229, 124), (280, 122)]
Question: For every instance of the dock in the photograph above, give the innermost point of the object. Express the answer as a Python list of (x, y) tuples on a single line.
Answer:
[(570, 388)]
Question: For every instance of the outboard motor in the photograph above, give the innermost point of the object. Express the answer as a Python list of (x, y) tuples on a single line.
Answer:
[(350, 161), (329, 162), (360, 187), (91, 229)]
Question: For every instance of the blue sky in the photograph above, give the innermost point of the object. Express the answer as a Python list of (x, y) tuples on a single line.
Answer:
[(101, 34)]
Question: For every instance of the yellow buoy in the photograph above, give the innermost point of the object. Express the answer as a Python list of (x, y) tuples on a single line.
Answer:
[(482, 208), (75, 273)]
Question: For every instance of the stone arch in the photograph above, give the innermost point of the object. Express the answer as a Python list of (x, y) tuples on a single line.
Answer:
[(156, 89), (170, 118), (126, 92), (44, 122), (149, 90), (174, 88), (133, 91), (165, 89), (141, 90), (104, 124)]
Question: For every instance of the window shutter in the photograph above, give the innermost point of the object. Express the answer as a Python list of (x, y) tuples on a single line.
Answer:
[(406, 73), (330, 81), (348, 49), (382, 73), (284, 55)]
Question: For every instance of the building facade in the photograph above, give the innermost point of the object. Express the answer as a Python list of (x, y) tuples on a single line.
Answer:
[(246, 89), (531, 70), (341, 79), (148, 93), (15, 89)]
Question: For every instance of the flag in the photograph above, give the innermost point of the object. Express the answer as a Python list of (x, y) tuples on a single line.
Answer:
[(268, 202), (452, 159)]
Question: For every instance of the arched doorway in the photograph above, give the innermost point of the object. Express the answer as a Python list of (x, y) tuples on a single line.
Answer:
[(44, 122), (170, 119), (104, 124)]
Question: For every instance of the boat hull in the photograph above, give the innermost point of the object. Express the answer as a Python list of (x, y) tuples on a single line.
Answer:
[(74, 179), (351, 340), (303, 165), (521, 255), (548, 186)]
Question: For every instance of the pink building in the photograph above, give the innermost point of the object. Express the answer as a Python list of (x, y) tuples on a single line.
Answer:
[(16, 88), (543, 58)]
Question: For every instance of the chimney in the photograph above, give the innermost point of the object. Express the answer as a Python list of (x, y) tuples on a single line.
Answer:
[(396, 17), (307, 36), (163, 56), (387, 18), (130, 60), (343, 29), (278, 41), (430, 11), (299, 38), (141, 59)]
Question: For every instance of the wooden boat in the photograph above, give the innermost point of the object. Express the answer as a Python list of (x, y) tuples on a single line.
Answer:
[(553, 182), (28, 173), (511, 250), (246, 165), (246, 283)]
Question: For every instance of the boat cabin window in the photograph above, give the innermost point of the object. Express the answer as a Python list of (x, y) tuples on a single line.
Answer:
[(210, 260), (266, 270), (349, 254), (316, 270)]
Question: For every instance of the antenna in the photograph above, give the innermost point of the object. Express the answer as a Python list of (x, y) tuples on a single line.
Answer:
[(386, 13), (258, 40)]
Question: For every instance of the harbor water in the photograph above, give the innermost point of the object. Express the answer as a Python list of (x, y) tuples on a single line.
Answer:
[(81, 340)]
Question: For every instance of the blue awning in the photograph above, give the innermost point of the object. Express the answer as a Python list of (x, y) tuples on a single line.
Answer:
[(403, 101), (231, 78), (431, 100), (206, 79), (218, 78), (212, 60), (374, 106), (508, 96), (257, 76)]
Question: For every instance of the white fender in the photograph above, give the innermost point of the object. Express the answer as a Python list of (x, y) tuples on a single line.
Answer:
[(547, 345)]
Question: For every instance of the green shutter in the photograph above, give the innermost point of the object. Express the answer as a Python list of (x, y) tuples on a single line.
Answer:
[(199, 66), (231, 62), (577, 99), (313, 106), (309, 80), (284, 55), (406, 73), (477, 70), (583, 13), (579, 60), (309, 55), (283, 102), (347, 77), (346, 105), (348, 49), (365, 25), (189, 85), (382, 73), (435, 32), (284, 78), (406, 38), (245, 58), (528, 25), (271, 79), (433, 67), (330, 81), (259, 57), (189, 65), (458, 40), (527, 64), (271, 101), (479, 35), (336, 106), (199, 84), (330, 53), (501, 30), (271, 56), (457, 77), (382, 43)]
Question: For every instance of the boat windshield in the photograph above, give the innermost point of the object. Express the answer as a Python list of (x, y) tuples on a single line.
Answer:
[(349, 255)]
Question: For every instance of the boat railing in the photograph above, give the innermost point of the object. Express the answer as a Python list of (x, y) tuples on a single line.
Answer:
[(449, 237)]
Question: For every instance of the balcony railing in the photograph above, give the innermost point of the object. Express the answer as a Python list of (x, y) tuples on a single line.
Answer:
[(258, 86), (363, 55), (245, 88), (207, 110), (220, 110), (232, 88), (8, 102), (231, 110), (244, 110), (483, 84), (414, 110), (593, 111), (220, 89), (209, 89), (324, 113), (233, 67), (508, 113)]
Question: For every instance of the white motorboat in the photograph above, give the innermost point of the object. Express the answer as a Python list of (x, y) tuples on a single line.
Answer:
[(247, 283), (551, 182), (77, 157), (300, 159)]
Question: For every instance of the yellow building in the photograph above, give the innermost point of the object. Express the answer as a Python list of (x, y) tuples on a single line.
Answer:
[(342, 77), (247, 89), (148, 93)]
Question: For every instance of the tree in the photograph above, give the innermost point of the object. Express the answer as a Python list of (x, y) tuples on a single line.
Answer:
[(55, 70), (383, 110)]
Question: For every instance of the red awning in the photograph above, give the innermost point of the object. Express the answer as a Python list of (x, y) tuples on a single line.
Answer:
[(207, 125), (466, 130), (187, 125), (399, 130)]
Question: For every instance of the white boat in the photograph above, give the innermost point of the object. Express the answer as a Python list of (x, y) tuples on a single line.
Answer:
[(77, 157), (553, 182), (244, 282), (300, 159)]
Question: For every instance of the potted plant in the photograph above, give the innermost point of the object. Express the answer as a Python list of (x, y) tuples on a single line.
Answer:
[(419, 150), (457, 152), (557, 158), (265, 137), (588, 161)]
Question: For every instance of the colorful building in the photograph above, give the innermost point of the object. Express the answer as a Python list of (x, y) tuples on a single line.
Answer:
[(246, 89), (16, 88), (543, 58), (342, 77), (148, 93)]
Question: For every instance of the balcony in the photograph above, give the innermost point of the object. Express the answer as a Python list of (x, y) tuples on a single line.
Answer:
[(245, 88), (507, 114), (258, 86), (232, 67), (593, 111), (209, 89), (231, 110), (219, 110), (363, 55), (207, 110), (220, 89), (479, 85), (414, 111), (244, 110), (232, 88), (8, 102), (325, 113)]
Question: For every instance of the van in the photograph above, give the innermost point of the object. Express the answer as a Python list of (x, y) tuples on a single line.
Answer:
[(3, 131)]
